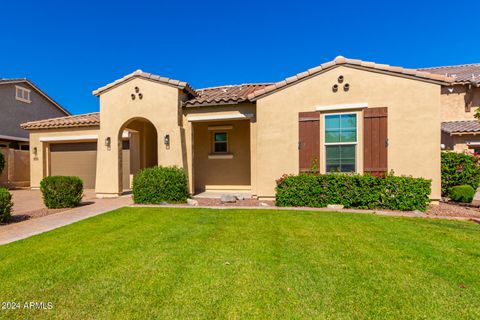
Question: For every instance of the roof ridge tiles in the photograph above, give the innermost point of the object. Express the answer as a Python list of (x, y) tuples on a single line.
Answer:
[(235, 85), (452, 66)]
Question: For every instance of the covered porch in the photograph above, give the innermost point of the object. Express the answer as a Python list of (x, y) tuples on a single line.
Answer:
[(222, 161)]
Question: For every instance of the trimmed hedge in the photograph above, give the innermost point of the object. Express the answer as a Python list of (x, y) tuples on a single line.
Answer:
[(463, 193), (353, 191), (459, 169), (61, 191), (6, 205), (2, 162), (160, 184)]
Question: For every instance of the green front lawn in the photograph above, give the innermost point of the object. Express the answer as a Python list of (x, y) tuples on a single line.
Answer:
[(162, 263)]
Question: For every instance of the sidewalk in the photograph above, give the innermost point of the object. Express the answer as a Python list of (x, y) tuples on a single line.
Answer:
[(25, 229)]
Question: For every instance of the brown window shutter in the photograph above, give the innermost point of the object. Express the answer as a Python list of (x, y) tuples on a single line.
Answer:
[(309, 141), (375, 141)]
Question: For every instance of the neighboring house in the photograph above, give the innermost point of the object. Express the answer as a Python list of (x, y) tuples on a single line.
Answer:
[(344, 115), (22, 101), (459, 101)]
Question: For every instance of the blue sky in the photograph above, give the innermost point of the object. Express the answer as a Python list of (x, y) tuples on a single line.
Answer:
[(71, 48)]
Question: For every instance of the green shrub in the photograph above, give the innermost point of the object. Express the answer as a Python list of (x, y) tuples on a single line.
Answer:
[(459, 169), (61, 191), (463, 193), (5, 205), (353, 191), (159, 184), (2, 162)]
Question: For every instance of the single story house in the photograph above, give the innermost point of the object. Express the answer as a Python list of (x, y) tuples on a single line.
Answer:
[(459, 101), (344, 115)]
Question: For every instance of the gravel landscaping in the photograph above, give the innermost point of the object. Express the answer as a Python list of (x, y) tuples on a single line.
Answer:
[(448, 209), (33, 214), (214, 202)]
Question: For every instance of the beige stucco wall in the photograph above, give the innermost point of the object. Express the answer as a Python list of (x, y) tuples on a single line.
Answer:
[(39, 163), (222, 173), (413, 123), (16, 172), (459, 143), (160, 105), (453, 100)]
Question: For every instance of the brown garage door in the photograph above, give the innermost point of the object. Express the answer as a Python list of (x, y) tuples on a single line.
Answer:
[(75, 159)]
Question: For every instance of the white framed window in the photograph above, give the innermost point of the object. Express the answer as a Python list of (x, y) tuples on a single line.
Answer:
[(341, 142), (22, 94), (220, 142)]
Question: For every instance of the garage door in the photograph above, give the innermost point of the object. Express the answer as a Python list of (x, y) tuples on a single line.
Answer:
[(75, 159)]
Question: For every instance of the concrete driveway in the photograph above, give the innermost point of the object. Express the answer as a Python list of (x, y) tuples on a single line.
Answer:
[(26, 200)]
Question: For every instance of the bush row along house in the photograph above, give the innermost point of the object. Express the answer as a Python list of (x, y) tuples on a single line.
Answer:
[(344, 115)]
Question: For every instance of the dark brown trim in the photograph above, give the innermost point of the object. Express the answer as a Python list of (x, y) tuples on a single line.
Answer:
[(309, 141), (375, 141)]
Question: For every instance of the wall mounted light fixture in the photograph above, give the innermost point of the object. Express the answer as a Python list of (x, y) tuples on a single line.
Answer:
[(108, 142), (35, 151), (166, 140)]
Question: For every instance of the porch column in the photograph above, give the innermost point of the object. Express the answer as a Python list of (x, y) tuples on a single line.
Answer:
[(253, 157), (189, 141), (109, 160)]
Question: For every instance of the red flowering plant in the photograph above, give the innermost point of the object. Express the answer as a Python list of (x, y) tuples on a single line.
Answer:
[(459, 169)]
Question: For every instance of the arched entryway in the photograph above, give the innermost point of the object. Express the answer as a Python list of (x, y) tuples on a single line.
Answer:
[(138, 149)]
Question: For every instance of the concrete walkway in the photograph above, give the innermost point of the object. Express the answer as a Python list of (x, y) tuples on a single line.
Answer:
[(25, 229)]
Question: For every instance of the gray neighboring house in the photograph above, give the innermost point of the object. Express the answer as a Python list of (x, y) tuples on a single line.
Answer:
[(21, 101)]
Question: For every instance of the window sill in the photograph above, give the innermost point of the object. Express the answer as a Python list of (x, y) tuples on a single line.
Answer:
[(23, 100), (221, 156)]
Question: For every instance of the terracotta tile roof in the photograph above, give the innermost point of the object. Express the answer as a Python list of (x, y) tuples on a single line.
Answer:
[(239, 93), (81, 120), (25, 80), (224, 94), (421, 75), (461, 126), (145, 75), (466, 73)]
